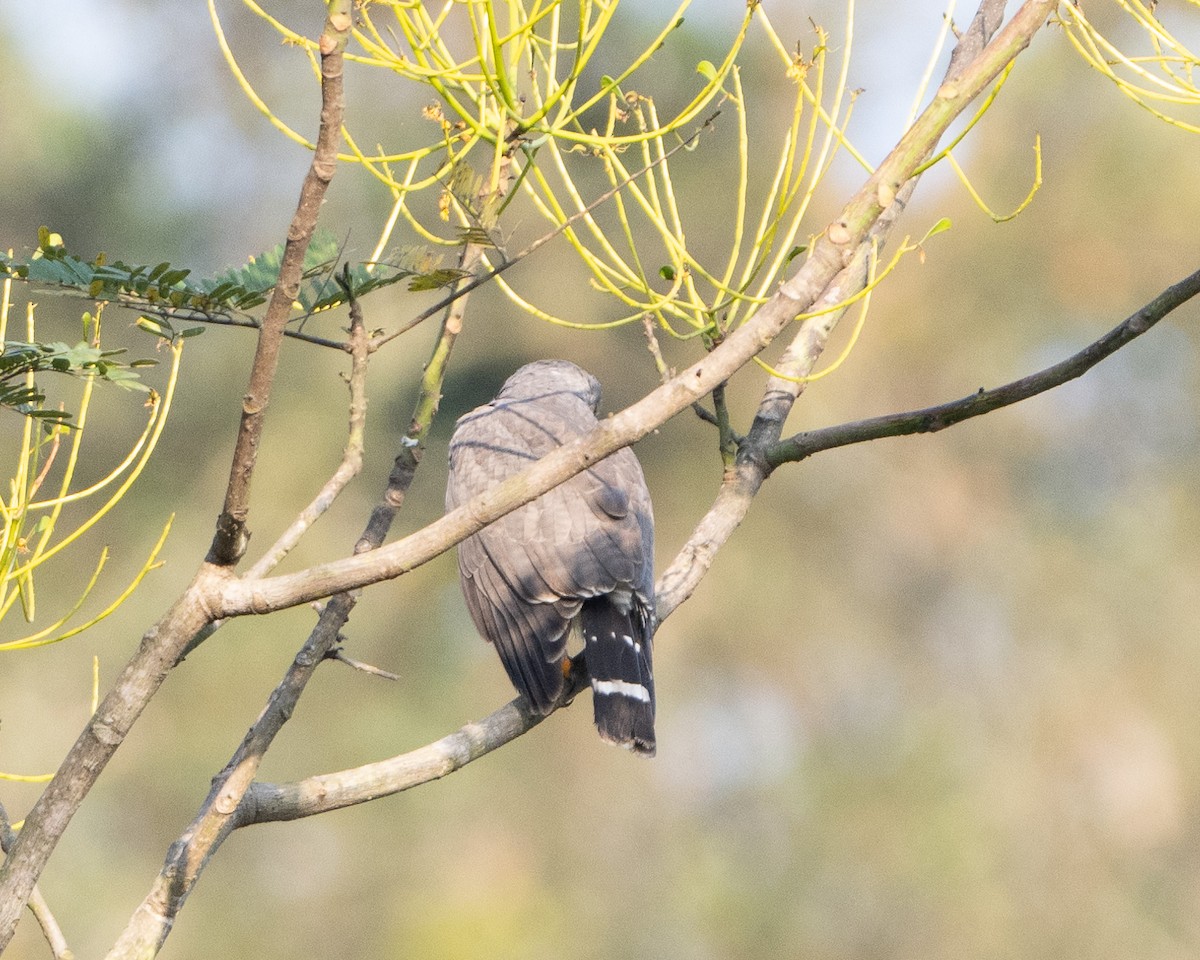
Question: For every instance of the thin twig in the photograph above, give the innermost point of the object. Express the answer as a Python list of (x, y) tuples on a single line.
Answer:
[(412, 445), (932, 419), (347, 470), (352, 456), (218, 320), (341, 657)]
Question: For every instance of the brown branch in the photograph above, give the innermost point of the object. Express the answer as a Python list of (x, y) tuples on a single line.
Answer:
[(741, 484), (241, 324), (229, 541), (37, 903), (932, 419), (352, 455), (163, 643), (151, 923), (830, 254), (819, 277)]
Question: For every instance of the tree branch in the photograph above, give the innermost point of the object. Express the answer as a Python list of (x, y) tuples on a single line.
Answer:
[(831, 252), (37, 903), (265, 802), (352, 456), (152, 922), (742, 482), (163, 643), (229, 542), (932, 419)]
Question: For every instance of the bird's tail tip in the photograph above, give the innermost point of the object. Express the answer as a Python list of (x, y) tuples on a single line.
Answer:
[(624, 717)]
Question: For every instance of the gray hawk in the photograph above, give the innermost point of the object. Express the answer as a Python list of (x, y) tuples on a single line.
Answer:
[(573, 567)]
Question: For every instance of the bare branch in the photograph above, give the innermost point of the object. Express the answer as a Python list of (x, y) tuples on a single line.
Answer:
[(352, 456), (932, 419), (412, 445), (742, 482), (163, 643), (37, 903), (340, 656), (318, 794), (830, 254), (151, 923), (229, 542), (267, 802)]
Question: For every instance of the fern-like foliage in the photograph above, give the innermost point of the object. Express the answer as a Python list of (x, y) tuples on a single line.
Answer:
[(21, 362), (170, 292)]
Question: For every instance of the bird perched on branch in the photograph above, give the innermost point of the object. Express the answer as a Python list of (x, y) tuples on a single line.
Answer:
[(573, 568)]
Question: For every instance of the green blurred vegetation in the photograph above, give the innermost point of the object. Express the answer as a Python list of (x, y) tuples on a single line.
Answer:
[(936, 698)]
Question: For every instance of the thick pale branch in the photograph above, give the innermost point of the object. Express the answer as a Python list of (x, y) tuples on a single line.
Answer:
[(831, 253), (317, 794), (932, 419), (266, 802), (742, 482)]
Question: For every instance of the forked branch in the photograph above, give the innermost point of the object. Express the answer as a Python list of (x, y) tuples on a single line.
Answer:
[(932, 419)]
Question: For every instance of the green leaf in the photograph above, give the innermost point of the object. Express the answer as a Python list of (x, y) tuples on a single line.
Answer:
[(707, 71), (940, 227), (436, 279), (157, 326), (667, 273)]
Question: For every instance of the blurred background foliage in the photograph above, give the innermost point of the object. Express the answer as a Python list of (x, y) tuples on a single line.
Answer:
[(937, 696)]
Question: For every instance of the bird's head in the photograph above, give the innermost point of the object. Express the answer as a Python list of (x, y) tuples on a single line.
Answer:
[(547, 378)]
